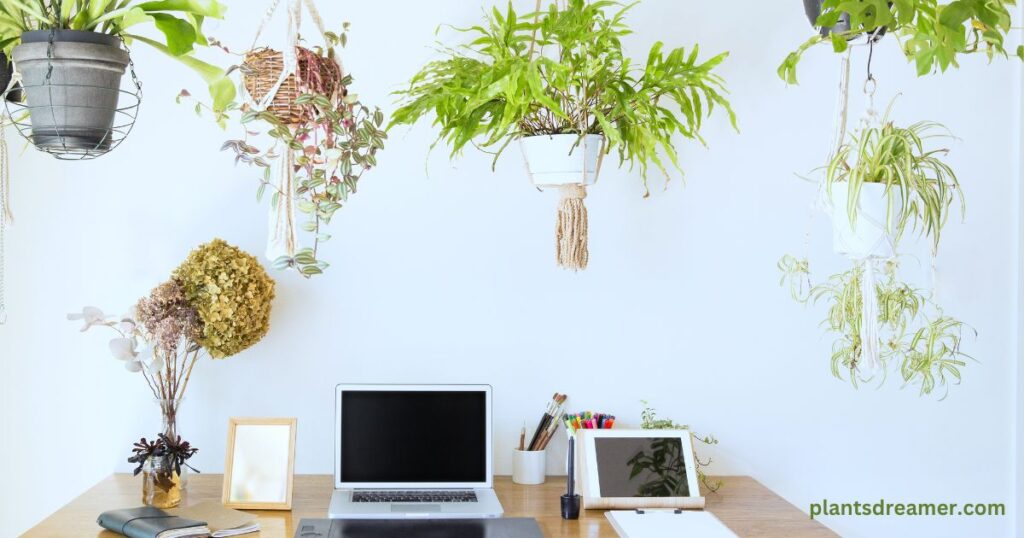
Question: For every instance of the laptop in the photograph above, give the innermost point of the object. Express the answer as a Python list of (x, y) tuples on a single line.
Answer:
[(413, 451)]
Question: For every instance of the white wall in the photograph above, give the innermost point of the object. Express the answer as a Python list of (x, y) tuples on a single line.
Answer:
[(451, 278)]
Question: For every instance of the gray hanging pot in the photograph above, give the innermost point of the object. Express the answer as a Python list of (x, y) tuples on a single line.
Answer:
[(6, 71), (74, 108), (813, 10)]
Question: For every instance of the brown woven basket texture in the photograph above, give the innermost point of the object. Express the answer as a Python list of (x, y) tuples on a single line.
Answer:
[(264, 67)]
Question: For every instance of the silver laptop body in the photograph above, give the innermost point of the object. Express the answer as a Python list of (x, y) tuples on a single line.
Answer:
[(413, 451)]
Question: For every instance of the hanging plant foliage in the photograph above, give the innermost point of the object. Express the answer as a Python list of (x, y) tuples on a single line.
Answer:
[(881, 182), (309, 136), (932, 34), (65, 93), (557, 81)]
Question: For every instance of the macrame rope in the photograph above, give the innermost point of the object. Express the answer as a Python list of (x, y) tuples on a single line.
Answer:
[(571, 229), (869, 316), (5, 214), (283, 238)]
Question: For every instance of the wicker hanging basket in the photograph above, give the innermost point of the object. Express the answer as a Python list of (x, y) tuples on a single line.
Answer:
[(315, 74)]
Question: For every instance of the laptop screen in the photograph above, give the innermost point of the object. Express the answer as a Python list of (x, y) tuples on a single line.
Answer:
[(413, 436)]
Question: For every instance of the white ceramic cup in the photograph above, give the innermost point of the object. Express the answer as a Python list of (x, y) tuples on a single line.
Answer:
[(528, 467)]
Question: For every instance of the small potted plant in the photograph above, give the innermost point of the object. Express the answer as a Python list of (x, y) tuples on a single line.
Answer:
[(76, 46), (558, 83), (162, 463), (932, 34), (311, 138), (885, 178)]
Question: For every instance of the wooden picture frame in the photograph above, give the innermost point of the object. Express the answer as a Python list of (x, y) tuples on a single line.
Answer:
[(259, 470), (591, 446)]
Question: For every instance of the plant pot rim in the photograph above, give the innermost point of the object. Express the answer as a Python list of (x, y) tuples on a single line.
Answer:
[(70, 36), (574, 135)]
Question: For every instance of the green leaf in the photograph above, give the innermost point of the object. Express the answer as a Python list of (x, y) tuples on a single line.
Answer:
[(839, 43), (180, 35)]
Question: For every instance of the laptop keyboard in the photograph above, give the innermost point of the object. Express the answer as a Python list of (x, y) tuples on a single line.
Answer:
[(387, 496)]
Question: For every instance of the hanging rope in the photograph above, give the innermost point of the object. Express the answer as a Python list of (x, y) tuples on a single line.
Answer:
[(571, 251), (5, 213), (283, 234)]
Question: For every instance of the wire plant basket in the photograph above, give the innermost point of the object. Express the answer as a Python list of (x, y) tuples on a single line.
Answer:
[(49, 113)]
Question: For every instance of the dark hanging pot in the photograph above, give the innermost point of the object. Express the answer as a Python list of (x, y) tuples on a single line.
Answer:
[(75, 108), (6, 71), (813, 10)]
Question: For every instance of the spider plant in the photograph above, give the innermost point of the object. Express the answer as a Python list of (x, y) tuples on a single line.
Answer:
[(563, 71), (930, 33), (898, 158), (928, 350), (179, 21)]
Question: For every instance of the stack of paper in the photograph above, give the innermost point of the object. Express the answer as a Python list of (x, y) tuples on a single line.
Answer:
[(223, 522)]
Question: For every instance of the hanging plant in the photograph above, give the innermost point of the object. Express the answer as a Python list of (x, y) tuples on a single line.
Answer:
[(558, 82), (931, 34), (309, 136), (926, 349), (887, 173), (881, 182), (71, 55)]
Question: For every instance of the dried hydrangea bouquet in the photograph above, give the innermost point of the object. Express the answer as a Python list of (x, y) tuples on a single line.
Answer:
[(216, 303)]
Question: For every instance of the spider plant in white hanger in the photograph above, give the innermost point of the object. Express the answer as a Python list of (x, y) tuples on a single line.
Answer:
[(884, 179)]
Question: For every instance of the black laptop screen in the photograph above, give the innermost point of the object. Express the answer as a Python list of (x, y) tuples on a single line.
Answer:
[(413, 436)]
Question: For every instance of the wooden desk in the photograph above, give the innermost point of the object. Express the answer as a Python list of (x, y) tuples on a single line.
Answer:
[(747, 507)]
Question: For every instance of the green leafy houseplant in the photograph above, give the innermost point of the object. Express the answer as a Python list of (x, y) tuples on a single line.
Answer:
[(330, 142), (563, 71), (898, 158), (649, 421), (178, 21), (926, 348), (930, 33)]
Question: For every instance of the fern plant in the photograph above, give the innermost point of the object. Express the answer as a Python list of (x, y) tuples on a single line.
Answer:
[(898, 158), (930, 33), (563, 71)]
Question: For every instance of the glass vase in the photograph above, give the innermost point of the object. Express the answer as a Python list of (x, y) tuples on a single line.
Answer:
[(161, 485), (169, 408)]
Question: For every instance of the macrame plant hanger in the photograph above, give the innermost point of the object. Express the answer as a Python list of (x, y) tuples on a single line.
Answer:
[(866, 259), (571, 223), (283, 235), (6, 217)]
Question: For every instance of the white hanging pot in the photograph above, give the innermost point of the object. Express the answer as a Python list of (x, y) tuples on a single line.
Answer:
[(869, 236), (562, 159)]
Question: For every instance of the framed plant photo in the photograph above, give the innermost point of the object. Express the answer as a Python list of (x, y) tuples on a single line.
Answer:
[(638, 469), (260, 464)]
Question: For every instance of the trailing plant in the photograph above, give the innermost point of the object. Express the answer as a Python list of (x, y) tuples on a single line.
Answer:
[(897, 157), (563, 71), (179, 22), (649, 421), (930, 33), (926, 348), (330, 145)]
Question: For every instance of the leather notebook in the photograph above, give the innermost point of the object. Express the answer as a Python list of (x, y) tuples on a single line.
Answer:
[(149, 522)]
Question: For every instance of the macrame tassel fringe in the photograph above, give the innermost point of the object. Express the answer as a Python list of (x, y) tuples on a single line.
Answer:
[(571, 229), (869, 316)]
